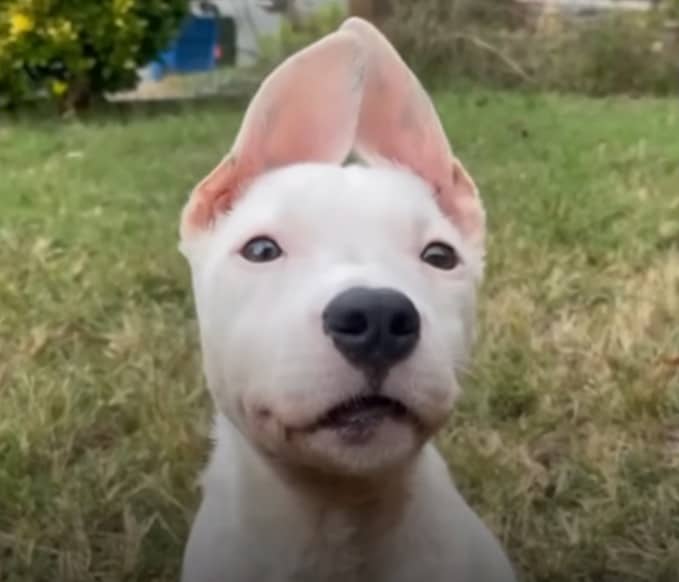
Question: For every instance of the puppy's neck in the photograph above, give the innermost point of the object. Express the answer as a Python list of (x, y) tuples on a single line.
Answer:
[(371, 498)]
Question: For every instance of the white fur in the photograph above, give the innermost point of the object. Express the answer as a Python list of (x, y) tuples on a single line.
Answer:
[(281, 504)]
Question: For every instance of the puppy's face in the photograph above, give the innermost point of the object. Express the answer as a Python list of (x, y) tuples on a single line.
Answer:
[(336, 303)]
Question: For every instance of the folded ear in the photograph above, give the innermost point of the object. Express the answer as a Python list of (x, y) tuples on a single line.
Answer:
[(305, 111), (398, 124)]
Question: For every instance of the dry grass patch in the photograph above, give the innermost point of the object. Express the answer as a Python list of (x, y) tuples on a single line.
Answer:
[(577, 386)]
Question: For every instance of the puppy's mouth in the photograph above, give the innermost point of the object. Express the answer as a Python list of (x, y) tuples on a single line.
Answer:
[(356, 419), (362, 410)]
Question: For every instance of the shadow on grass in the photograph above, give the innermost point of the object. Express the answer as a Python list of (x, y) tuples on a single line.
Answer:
[(125, 111)]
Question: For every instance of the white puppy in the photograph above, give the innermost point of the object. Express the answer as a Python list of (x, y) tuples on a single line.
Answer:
[(336, 305)]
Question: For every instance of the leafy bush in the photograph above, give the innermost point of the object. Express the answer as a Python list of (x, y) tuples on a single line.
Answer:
[(671, 7), (291, 38), (75, 50), (629, 53), (500, 43), (444, 39)]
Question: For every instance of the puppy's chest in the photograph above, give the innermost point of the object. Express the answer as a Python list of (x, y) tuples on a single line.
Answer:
[(343, 552), (333, 550)]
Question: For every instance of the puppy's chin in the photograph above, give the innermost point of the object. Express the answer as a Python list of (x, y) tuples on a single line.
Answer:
[(362, 450)]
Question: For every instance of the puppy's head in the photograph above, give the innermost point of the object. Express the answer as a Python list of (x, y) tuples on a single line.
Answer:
[(335, 302)]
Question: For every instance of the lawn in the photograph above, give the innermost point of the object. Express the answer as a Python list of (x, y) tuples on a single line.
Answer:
[(567, 438)]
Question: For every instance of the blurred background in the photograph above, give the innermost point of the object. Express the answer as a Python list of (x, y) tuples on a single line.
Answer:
[(75, 51), (566, 440)]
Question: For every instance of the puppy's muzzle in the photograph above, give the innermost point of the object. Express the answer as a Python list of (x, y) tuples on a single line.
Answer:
[(372, 328)]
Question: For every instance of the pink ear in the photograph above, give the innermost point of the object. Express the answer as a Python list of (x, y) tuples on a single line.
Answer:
[(305, 111), (398, 124)]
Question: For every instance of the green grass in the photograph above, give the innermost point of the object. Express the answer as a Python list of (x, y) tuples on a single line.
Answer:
[(566, 441)]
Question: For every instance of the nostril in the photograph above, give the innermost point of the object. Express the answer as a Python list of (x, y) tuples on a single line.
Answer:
[(403, 324), (350, 323)]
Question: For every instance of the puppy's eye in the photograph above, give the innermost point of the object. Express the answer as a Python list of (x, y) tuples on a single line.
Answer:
[(441, 256), (261, 249)]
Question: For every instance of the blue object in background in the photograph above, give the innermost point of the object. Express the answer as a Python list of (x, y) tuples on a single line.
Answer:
[(193, 50)]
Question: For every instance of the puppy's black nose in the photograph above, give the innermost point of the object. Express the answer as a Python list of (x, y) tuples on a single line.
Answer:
[(373, 328)]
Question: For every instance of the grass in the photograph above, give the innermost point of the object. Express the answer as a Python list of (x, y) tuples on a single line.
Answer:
[(566, 441)]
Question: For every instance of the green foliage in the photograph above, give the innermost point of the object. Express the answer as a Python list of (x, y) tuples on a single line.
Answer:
[(500, 43), (291, 37), (78, 49)]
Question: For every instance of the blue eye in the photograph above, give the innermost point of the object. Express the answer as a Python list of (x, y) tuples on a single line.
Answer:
[(261, 249), (440, 255)]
